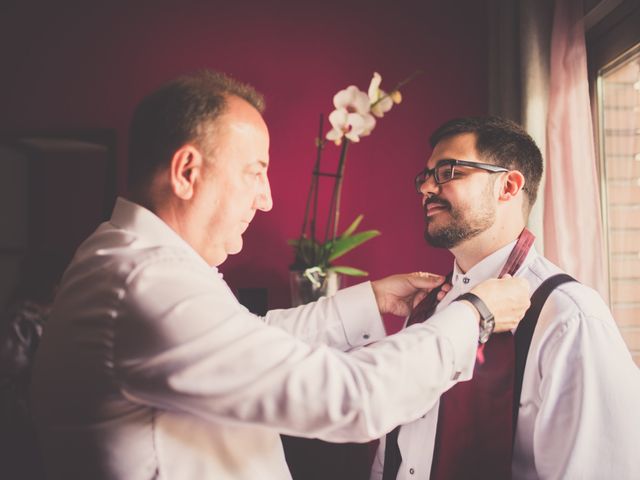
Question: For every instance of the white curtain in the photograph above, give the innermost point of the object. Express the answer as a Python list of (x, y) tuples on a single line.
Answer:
[(573, 236), (538, 78)]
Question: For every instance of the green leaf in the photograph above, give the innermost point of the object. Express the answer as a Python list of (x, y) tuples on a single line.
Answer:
[(355, 272), (343, 245), (310, 253), (353, 226)]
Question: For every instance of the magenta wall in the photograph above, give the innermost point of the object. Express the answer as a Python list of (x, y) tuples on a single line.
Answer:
[(80, 66)]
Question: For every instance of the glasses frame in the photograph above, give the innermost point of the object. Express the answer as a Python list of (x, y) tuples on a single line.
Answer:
[(425, 173)]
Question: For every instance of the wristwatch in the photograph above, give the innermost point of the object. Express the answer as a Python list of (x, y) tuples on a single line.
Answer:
[(487, 322)]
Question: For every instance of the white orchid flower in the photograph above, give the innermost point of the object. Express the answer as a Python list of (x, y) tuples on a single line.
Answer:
[(380, 101), (352, 99), (351, 118)]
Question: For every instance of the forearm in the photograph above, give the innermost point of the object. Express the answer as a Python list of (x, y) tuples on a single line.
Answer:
[(240, 370)]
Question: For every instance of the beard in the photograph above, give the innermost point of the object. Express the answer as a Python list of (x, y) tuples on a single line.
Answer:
[(464, 222)]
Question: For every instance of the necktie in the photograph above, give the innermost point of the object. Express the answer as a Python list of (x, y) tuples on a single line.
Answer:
[(474, 437)]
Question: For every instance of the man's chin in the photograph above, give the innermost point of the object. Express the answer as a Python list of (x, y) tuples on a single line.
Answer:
[(438, 238), (218, 256), (235, 245)]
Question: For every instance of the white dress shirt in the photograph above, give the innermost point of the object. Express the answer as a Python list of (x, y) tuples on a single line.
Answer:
[(150, 368), (579, 412)]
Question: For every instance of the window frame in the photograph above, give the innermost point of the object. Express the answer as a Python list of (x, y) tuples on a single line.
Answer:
[(611, 39)]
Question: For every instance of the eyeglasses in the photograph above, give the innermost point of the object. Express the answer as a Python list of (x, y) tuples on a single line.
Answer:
[(445, 171)]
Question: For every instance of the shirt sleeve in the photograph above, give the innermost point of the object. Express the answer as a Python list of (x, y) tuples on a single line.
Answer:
[(588, 422), (184, 343), (349, 319)]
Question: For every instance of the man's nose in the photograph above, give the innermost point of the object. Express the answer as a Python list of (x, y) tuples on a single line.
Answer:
[(429, 187), (263, 200)]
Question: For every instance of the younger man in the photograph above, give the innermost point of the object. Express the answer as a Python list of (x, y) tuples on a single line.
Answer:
[(578, 414)]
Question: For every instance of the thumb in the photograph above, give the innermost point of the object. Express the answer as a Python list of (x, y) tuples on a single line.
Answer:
[(425, 280)]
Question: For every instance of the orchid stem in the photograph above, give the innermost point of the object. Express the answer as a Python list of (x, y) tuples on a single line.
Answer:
[(334, 210), (313, 189), (410, 78), (316, 178)]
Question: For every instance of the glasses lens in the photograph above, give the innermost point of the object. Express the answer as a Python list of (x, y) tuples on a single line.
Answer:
[(444, 173)]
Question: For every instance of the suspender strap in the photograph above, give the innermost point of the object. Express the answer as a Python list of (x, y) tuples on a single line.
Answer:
[(524, 333)]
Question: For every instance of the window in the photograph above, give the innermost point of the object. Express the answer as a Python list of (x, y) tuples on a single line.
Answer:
[(613, 46), (619, 112)]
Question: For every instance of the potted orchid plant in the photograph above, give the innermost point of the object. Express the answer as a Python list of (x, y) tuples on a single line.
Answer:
[(313, 273)]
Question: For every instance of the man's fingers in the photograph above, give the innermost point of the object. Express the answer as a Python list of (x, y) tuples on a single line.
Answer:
[(418, 298), (507, 299), (396, 294), (425, 280), (443, 291)]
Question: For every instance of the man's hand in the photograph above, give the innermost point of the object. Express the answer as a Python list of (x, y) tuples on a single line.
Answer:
[(507, 298), (398, 294)]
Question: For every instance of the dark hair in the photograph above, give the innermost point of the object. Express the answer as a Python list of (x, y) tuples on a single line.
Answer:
[(176, 114), (501, 142)]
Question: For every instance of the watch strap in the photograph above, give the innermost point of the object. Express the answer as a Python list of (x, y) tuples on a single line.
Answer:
[(477, 302), (487, 322)]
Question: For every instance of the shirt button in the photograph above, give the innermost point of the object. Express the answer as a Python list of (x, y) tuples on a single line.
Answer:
[(412, 471), (465, 280)]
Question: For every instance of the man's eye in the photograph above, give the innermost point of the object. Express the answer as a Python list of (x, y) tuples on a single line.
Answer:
[(445, 173), (456, 173)]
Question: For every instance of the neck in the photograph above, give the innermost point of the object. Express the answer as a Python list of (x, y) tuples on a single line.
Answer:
[(476, 249)]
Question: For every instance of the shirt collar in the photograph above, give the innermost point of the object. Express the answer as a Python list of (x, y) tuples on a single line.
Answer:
[(488, 267), (148, 227)]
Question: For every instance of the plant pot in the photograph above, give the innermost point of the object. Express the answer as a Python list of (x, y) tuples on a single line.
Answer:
[(311, 284)]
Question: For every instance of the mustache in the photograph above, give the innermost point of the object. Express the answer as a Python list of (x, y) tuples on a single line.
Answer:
[(437, 201)]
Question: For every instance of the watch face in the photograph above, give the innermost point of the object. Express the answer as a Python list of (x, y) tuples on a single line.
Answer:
[(484, 336), (486, 329)]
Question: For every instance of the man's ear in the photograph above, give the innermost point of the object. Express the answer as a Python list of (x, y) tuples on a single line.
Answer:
[(186, 167), (512, 184)]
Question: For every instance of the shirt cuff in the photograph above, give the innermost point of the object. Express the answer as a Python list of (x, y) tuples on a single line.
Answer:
[(359, 314)]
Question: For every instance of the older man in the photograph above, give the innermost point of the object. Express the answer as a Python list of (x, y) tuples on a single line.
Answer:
[(557, 400), (150, 368)]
